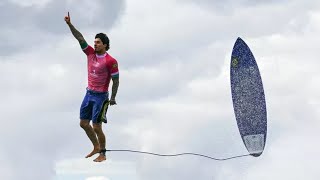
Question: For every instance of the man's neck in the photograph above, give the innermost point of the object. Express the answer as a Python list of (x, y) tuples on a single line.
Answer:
[(101, 52)]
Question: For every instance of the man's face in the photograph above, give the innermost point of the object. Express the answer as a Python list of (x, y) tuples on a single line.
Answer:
[(98, 45)]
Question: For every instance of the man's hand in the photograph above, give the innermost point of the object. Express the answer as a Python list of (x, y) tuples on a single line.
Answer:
[(112, 102), (74, 31), (67, 19)]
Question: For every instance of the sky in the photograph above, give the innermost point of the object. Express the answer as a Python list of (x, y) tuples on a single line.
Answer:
[(174, 94)]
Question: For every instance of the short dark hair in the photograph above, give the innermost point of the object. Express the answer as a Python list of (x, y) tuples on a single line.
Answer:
[(104, 38)]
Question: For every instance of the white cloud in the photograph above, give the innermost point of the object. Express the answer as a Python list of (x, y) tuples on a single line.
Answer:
[(98, 178), (109, 169), (174, 91), (26, 3)]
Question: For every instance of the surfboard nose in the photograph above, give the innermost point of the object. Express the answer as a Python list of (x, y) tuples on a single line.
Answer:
[(239, 39)]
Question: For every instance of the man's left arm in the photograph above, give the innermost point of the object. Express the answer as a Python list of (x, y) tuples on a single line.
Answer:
[(115, 85)]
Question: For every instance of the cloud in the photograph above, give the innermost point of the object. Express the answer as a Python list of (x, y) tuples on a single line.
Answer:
[(174, 91), (179, 118), (232, 6), (27, 27), (97, 178), (40, 108)]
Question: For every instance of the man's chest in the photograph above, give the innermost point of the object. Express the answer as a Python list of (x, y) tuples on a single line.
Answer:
[(97, 65)]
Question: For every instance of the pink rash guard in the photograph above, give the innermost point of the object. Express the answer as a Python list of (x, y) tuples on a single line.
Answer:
[(100, 69)]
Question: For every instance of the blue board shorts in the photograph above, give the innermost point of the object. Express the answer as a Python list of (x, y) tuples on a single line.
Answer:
[(94, 106)]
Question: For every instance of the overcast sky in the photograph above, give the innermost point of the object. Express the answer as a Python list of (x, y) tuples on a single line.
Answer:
[(174, 93)]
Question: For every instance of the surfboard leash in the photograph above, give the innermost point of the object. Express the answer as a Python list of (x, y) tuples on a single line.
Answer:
[(179, 154)]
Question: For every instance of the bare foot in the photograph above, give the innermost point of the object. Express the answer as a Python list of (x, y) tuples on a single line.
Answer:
[(94, 151), (100, 158)]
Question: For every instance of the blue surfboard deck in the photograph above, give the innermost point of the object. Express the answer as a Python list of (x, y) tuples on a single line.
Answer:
[(248, 98)]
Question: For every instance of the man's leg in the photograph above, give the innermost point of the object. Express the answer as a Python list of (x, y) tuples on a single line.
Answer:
[(97, 127), (85, 124)]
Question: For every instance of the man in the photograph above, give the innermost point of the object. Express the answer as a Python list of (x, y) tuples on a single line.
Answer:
[(101, 68)]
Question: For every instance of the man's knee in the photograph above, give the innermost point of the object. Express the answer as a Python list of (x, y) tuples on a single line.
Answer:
[(84, 124), (97, 127)]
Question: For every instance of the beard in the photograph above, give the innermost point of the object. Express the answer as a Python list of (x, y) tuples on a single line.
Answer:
[(99, 51)]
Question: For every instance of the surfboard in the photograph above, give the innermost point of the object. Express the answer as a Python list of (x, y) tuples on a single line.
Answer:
[(248, 98)]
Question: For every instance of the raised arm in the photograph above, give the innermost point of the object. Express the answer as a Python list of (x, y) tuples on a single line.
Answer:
[(74, 31)]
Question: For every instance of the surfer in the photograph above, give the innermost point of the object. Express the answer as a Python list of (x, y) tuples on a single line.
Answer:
[(101, 69)]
